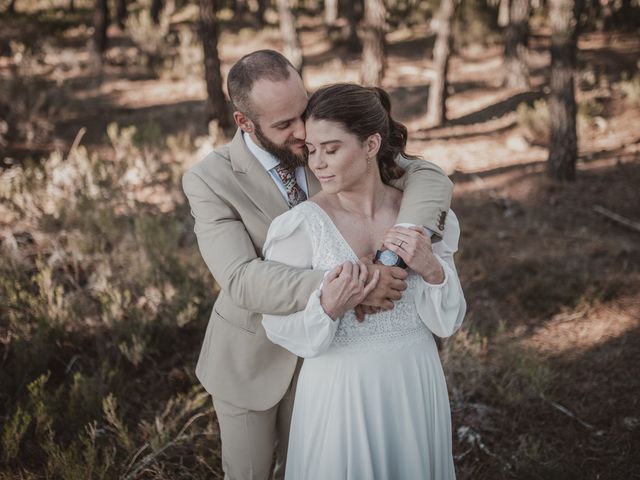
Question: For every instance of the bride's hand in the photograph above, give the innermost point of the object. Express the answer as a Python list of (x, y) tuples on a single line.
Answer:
[(414, 247), (345, 287)]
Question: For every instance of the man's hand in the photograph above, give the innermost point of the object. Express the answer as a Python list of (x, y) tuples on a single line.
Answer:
[(389, 288), (362, 310), (346, 286)]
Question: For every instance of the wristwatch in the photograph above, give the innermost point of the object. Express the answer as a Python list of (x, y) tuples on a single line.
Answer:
[(389, 258)]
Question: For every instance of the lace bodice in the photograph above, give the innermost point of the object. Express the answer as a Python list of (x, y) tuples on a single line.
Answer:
[(306, 237), (388, 328)]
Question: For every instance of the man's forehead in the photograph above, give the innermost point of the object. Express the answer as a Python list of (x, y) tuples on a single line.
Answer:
[(284, 98)]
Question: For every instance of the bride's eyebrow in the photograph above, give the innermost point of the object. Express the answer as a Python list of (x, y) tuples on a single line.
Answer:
[(325, 142)]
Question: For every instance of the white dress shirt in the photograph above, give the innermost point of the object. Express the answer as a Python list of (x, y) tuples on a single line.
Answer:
[(269, 162)]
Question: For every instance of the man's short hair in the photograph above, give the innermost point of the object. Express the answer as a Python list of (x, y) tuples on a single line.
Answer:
[(249, 69)]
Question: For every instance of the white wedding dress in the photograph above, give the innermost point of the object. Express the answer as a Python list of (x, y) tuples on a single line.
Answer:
[(371, 401)]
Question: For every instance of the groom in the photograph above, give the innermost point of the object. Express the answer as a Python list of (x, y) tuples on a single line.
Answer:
[(235, 192)]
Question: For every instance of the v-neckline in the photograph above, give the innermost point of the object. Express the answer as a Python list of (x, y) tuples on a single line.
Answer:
[(336, 229)]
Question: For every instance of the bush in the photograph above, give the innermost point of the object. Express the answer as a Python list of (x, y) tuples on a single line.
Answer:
[(104, 299), (630, 88)]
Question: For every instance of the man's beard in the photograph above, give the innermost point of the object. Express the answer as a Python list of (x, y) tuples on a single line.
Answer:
[(287, 158)]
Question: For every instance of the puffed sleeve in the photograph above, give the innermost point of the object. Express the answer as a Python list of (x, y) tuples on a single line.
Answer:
[(442, 307), (307, 333)]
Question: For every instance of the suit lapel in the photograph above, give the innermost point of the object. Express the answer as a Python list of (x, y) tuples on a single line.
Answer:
[(254, 180)]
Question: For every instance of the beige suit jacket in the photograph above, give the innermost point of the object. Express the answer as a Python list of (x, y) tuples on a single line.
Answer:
[(233, 201)]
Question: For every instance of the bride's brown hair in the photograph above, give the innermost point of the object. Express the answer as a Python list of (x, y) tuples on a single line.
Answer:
[(363, 111)]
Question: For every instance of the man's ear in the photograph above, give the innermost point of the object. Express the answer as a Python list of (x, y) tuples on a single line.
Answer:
[(243, 122), (373, 144)]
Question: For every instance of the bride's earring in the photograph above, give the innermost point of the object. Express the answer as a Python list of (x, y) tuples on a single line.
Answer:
[(368, 165)]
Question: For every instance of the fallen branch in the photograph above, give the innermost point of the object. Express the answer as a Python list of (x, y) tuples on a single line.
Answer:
[(570, 414), (617, 218)]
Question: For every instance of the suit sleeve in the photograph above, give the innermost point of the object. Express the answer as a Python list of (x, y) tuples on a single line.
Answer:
[(427, 194), (252, 283)]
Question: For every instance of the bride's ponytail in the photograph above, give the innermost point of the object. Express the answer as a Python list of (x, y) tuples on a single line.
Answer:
[(395, 144)]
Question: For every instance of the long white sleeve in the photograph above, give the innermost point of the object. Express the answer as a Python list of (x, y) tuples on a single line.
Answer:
[(307, 333), (442, 307)]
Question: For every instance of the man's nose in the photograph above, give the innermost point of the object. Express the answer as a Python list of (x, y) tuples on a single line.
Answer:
[(299, 131)]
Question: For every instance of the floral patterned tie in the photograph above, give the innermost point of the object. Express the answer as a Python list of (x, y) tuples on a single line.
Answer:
[(295, 194)]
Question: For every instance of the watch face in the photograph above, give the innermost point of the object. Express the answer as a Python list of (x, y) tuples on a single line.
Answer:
[(389, 258)]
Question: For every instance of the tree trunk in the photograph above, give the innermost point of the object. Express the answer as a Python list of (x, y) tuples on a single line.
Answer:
[(72, 6), (156, 8), (100, 23), (216, 102), (354, 14), (330, 13), (240, 6), (563, 142), (516, 72), (11, 9), (262, 8), (503, 13), (121, 13), (443, 25), (373, 45), (292, 49)]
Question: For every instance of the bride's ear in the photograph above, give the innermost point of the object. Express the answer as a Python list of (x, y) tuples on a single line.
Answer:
[(373, 144)]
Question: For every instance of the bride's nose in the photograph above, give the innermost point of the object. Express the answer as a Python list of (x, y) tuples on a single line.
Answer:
[(316, 160)]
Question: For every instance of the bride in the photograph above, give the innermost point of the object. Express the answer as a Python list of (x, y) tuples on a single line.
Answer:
[(371, 400)]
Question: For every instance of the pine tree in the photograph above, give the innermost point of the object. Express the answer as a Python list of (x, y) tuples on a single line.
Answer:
[(443, 25), (292, 49), (217, 108), (563, 141), (373, 45)]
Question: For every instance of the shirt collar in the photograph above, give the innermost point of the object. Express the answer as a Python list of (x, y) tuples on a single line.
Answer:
[(267, 160)]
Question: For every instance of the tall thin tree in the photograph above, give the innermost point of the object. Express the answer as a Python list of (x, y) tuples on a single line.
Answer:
[(156, 8), (100, 24), (261, 8), (563, 140), (121, 13), (374, 56), (354, 15), (289, 33), (443, 25), (516, 71), (217, 108)]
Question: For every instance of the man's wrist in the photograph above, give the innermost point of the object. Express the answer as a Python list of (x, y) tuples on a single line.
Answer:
[(333, 315), (433, 275)]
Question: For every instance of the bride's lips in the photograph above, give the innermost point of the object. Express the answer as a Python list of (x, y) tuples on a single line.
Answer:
[(325, 178)]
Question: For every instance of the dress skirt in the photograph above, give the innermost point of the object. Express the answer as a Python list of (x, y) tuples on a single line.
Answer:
[(374, 414)]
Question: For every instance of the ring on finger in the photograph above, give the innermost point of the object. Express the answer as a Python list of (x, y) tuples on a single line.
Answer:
[(401, 243)]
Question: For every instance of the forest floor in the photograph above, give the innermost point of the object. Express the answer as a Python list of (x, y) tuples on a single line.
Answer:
[(552, 284)]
